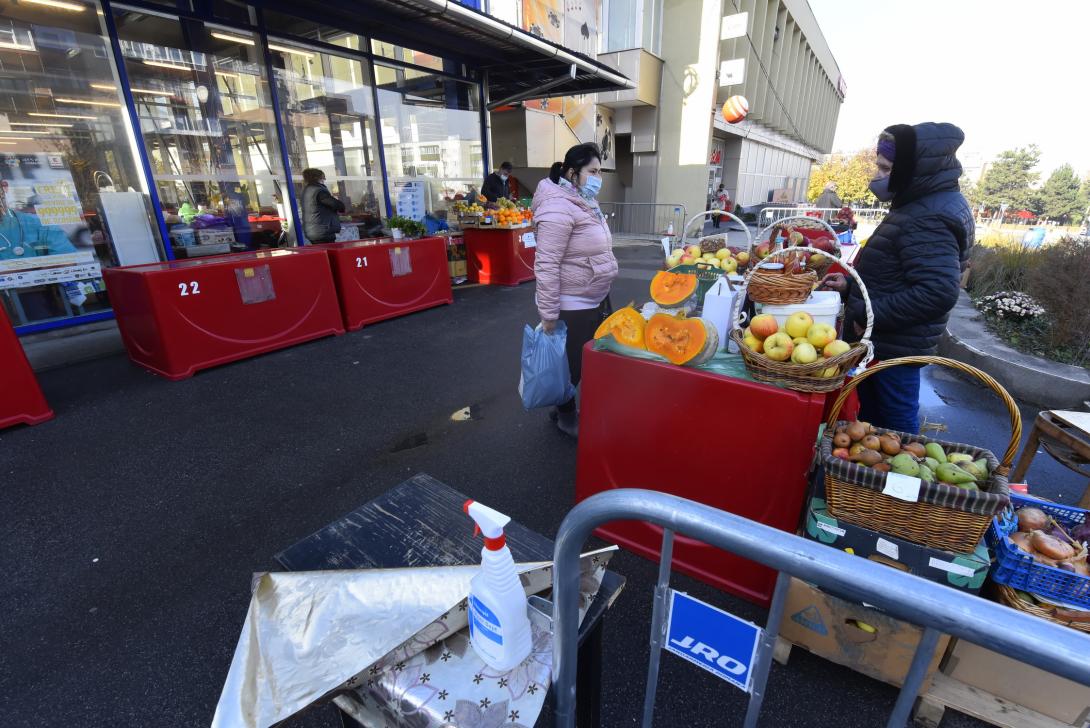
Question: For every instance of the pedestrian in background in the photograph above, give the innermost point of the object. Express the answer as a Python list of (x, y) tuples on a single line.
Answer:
[(911, 265), (829, 198), (496, 185), (720, 201), (321, 210), (575, 266)]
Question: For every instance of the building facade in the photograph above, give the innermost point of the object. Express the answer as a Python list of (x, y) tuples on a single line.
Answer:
[(149, 130), (666, 140)]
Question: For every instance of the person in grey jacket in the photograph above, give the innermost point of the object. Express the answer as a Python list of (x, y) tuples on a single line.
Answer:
[(320, 209)]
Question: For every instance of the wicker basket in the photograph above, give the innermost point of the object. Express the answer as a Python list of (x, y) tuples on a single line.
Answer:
[(780, 288), (945, 516), (801, 377), (800, 222), (1075, 619)]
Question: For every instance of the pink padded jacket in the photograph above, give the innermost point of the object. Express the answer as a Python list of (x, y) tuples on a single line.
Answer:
[(574, 249)]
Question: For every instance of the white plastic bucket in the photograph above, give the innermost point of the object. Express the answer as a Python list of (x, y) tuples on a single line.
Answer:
[(824, 306)]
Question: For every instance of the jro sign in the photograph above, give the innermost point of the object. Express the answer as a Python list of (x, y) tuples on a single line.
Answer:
[(710, 638)]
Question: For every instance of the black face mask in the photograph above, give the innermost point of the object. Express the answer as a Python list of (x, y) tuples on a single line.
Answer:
[(880, 187)]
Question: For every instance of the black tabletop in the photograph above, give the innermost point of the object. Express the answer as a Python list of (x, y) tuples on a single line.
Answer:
[(418, 523)]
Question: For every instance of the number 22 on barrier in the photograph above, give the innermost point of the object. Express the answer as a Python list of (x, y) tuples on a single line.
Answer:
[(361, 262), (189, 289)]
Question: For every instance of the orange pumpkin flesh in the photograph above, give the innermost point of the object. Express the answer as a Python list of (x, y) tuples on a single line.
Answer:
[(670, 289), (691, 341), (626, 325)]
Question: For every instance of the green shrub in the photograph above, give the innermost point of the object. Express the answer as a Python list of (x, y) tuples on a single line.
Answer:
[(1057, 277), (1061, 283), (1000, 268)]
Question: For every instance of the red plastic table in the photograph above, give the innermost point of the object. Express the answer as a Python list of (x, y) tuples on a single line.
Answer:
[(499, 256), (736, 445), (379, 278), (184, 315), (21, 399)]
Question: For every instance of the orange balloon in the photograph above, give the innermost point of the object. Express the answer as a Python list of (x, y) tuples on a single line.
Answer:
[(735, 109)]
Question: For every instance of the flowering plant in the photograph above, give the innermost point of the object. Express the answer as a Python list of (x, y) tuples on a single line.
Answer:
[(1010, 305)]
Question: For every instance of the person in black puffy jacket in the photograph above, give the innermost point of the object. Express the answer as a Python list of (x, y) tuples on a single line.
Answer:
[(911, 265)]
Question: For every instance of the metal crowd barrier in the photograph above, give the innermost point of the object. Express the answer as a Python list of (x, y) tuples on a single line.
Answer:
[(937, 608), (771, 215), (644, 219)]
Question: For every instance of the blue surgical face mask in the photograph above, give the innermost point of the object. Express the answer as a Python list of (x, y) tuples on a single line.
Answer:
[(592, 187), (880, 187)]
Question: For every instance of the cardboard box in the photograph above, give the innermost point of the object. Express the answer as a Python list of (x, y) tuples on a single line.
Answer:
[(828, 627), (961, 571), (457, 268), (1003, 677)]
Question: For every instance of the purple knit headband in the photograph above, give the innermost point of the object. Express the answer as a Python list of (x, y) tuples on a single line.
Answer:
[(887, 149)]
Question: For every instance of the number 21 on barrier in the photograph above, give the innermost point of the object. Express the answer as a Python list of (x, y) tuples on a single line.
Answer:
[(189, 289), (361, 262)]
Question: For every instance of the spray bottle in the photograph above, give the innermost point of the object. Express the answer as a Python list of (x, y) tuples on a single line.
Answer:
[(499, 628)]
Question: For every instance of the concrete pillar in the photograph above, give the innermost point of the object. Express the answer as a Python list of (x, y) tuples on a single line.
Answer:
[(691, 55)]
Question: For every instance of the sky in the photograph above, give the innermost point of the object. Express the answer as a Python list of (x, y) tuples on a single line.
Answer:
[(1009, 73)]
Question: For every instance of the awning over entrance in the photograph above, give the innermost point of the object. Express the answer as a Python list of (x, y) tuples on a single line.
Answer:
[(519, 65)]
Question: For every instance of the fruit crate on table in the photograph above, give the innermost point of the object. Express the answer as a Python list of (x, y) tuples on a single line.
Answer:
[(937, 514), (1017, 569)]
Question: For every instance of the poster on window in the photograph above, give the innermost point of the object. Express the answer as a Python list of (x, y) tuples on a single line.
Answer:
[(603, 136), (40, 212)]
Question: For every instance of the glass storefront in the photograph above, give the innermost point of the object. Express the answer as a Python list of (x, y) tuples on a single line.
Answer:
[(431, 135), (206, 170), (72, 199), (327, 103), (209, 131)]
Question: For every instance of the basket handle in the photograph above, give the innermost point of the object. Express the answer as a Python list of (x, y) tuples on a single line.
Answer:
[(704, 215), (736, 310), (986, 379), (802, 218)]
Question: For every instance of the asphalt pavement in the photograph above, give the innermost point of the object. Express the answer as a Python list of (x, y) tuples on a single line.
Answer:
[(133, 521)]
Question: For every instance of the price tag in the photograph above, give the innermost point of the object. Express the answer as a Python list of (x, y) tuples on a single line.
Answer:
[(528, 240), (830, 529), (888, 548), (904, 487), (950, 567)]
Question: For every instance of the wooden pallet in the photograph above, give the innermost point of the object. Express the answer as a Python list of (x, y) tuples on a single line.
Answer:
[(946, 692)]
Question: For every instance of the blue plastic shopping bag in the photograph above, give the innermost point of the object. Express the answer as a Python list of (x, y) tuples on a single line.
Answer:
[(546, 380)]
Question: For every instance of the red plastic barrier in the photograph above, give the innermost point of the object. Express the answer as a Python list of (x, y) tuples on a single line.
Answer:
[(21, 399), (499, 256), (185, 315), (380, 279), (739, 446)]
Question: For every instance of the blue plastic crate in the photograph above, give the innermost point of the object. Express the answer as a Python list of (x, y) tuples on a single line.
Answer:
[(1018, 570)]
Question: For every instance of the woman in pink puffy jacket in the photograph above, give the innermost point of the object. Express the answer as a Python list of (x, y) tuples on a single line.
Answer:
[(575, 264)]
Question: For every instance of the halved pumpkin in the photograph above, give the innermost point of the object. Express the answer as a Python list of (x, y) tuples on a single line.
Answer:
[(688, 341), (670, 289), (626, 324)]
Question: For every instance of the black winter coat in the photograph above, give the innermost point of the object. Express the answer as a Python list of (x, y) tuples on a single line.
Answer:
[(912, 262), (321, 221), (495, 187)]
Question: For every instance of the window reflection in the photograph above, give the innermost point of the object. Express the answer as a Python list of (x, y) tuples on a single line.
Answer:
[(208, 125), (71, 198), (329, 120), (431, 132)]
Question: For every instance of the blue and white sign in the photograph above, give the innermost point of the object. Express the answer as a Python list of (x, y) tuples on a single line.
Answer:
[(710, 638)]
